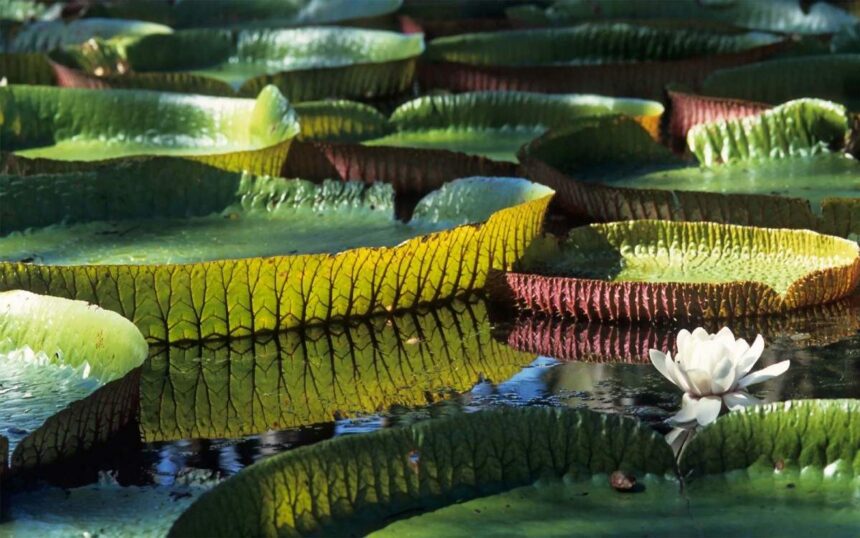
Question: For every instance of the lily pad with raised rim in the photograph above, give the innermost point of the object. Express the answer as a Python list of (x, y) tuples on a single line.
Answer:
[(681, 270), (305, 64), (470, 470), (91, 125), (497, 124), (187, 252), (353, 485), (604, 58), (786, 168), (264, 13), (54, 351), (786, 16), (44, 36), (832, 76)]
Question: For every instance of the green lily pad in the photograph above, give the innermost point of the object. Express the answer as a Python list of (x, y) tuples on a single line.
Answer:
[(44, 36), (54, 351), (649, 269), (617, 59), (497, 124), (833, 76), (804, 436), (264, 13), (590, 44), (305, 64), (335, 487), (738, 505), (352, 485), (23, 10), (211, 252), (89, 125), (775, 168), (787, 16)]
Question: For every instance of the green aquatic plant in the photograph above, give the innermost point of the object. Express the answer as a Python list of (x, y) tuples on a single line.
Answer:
[(783, 167), (188, 252), (94, 125), (664, 270), (304, 63), (377, 481)]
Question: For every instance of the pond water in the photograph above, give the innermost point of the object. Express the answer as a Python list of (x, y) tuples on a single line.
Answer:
[(208, 411)]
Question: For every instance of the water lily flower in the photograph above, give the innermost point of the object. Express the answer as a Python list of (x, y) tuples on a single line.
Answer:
[(713, 370)]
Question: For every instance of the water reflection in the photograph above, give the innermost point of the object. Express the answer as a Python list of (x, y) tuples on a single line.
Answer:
[(217, 408), (629, 342), (227, 404), (605, 367)]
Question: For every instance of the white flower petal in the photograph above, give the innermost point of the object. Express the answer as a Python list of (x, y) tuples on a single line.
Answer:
[(664, 364), (687, 414), (722, 376), (764, 374), (700, 382), (708, 409), (725, 337), (739, 349), (673, 435), (683, 341), (739, 399), (748, 359)]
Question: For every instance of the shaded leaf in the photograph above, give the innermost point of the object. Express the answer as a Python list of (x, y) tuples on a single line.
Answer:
[(353, 484), (789, 16), (305, 64), (833, 76), (609, 169), (274, 13)]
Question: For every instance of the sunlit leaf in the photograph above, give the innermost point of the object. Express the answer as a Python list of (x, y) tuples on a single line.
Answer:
[(90, 125), (675, 270), (189, 253)]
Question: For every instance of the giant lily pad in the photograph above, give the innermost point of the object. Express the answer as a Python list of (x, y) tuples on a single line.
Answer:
[(610, 169), (820, 434), (305, 64), (610, 59), (674, 270), (188, 252), (21, 51), (787, 16), (496, 124), (742, 505), (264, 13), (831, 76), (54, 351), (44, 36), (465, 471), (352, 485), (88, 125)]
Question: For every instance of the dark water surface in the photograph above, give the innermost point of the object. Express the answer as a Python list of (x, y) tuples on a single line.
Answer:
[(208, 411)]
